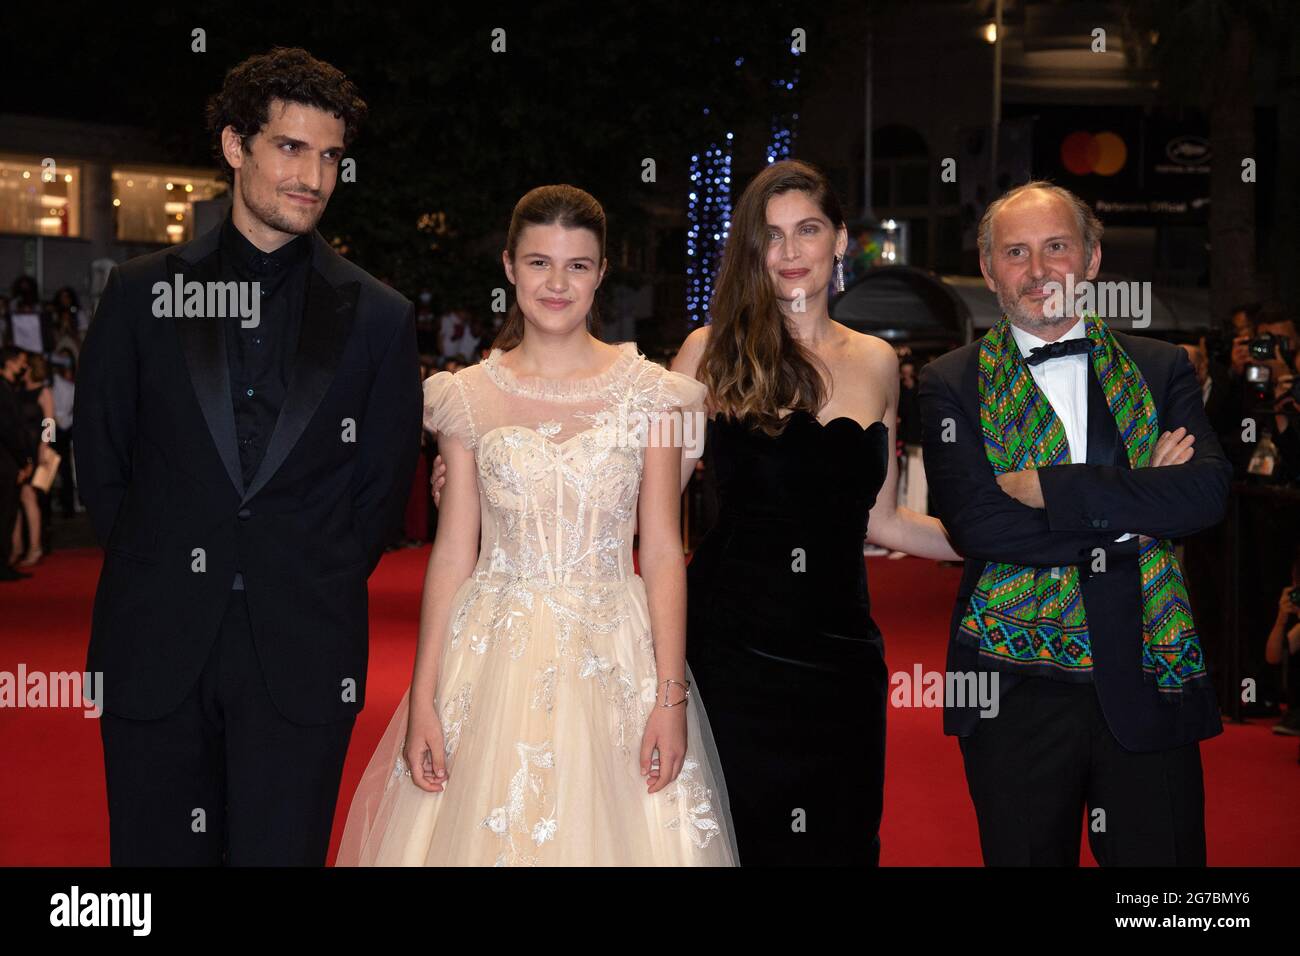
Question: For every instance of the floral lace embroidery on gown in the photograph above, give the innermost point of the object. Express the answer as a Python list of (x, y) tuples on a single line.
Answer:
[(548, 672)]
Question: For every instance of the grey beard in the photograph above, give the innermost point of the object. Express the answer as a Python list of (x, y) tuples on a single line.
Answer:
[(1032, 324)]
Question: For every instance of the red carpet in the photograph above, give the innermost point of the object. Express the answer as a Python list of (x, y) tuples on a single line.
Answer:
[(52, 784)]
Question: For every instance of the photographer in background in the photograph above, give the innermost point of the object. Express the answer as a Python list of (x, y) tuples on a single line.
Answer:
[(1243, 330), (1283, 647), (1269, 525), (1239, 396), (1279, 338)]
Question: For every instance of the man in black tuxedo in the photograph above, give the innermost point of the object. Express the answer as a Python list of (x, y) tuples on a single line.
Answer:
[(244, 473), (1098, 737)]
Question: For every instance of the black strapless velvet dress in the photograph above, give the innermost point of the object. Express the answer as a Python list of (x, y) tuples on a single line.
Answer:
[(788, 663)]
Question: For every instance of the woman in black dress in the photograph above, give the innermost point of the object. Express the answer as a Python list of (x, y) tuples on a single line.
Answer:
[(785, 656)]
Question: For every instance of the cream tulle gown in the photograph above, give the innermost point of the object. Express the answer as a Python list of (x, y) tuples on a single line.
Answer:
[(548, 670)]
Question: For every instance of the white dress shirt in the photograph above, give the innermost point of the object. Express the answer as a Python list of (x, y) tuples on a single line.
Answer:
[(1064, 383)]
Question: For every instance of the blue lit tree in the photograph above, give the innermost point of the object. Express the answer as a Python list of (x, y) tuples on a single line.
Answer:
[(708, 212), (708, 206), (781, 144)]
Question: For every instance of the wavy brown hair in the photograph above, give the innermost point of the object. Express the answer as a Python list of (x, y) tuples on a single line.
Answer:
[(752, 365), (290, 74), (559, 205)]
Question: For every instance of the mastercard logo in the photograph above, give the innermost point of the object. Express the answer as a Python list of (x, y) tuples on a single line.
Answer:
[(1100, 153)]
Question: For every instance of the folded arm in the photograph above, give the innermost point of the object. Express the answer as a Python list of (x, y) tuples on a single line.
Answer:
[(983, 522), (1167, 502)]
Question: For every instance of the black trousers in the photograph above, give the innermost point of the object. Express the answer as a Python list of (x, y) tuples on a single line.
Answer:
[(224, 779), (1048, 754)]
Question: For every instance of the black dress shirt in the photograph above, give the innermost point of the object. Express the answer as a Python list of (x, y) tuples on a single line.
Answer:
[(261, 357)]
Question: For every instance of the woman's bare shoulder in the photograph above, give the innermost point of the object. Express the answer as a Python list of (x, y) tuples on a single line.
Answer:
[(871, 351), (687, 359)]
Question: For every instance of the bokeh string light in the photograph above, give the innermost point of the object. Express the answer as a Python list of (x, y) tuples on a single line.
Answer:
[(708, 207)]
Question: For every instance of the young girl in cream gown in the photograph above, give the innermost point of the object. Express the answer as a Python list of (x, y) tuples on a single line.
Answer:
[(549, 719)]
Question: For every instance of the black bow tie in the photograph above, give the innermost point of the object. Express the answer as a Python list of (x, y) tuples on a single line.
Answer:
[(1053, 350)]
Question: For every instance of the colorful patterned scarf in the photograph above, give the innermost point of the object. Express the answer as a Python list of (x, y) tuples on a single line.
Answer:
[(1032, 620)]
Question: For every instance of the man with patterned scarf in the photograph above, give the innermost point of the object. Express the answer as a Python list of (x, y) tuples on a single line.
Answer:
[(1064, 456)]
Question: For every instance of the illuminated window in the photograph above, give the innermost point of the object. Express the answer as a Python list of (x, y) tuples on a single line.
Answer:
[(157, 205), (39, 199)]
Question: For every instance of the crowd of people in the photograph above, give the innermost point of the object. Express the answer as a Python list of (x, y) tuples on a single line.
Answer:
[(41, 341), (1251, 393), (1250, 390)]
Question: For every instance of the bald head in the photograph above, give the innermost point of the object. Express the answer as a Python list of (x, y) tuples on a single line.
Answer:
[(1034, 235), (1090, 227)]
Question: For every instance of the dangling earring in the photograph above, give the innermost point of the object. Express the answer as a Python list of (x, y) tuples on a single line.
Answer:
[(839, 273)]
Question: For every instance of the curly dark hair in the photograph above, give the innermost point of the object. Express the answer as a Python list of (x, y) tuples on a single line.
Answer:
[(285, 73)]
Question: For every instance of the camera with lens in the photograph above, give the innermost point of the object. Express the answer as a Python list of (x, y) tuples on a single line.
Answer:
[(1265, 348), (1259, 384), (1262, 346)]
